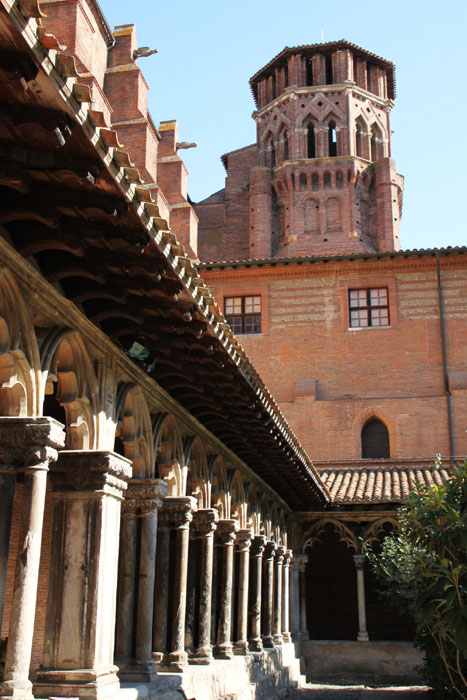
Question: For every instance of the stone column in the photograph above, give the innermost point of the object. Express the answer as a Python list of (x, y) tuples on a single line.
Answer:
[(294, 601), (204, 524), (178, 511), (27, 445), (256, 556), (302, 560), (7, 492), (286, 636), (277, 616), (226, 530), (243, 543), (268, 592), (80, 624), (161, 590), (126, 583), (144, 499), (359, 560)]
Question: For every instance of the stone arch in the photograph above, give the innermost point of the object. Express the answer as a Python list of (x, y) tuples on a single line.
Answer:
[(346, 534), (134, 430), (253, 509), (197, 484), (69, 386), (219, 488), (361, 137), (283, 528), (168, 452), (377, 142), (238, 505), (266, 527), (19, 354)]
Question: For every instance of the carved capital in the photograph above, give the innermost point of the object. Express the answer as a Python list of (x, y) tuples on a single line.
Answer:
[(359, 560), (205, 522), (129, 508), (226, 530), (301, 561), (288, 557), (243, 540), (29, 443), (148, 494), (279, 554), (257, 546), (91, 471), (269, 550), (177, 511)]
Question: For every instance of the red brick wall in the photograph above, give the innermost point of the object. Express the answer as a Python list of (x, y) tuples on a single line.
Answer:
[(43, 585), (394, 373)]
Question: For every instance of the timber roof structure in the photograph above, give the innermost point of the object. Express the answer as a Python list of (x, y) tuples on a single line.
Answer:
[(75, 209)]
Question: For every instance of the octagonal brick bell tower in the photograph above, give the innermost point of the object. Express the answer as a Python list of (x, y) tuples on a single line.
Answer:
[(325, 181)]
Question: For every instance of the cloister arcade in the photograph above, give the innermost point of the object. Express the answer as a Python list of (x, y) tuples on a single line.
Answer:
[(137, 525)]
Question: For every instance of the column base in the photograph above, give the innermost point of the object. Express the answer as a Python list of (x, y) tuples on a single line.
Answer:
[(202, 656), (268, 642), (278, 639), (363, 637), (304, 636), (224, 651), (286, 637), (21, 689), (256, 644), (240, 648), (142, 671), (82, 683), (296, 637), (177, 661)]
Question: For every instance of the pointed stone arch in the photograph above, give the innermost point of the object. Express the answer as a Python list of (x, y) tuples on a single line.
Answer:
[(134, 429), (197, 473), (168, 452)]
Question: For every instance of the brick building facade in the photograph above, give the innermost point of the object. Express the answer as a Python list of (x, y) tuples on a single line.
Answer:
[(358, 328), (157, 511)]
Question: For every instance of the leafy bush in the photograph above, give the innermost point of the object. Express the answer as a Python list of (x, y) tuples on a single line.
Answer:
[(423, 570)]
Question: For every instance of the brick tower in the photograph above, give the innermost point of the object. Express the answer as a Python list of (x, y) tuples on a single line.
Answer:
[(320, 179)]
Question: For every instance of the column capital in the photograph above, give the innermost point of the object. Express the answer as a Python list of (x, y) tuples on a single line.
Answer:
[(279, 554), (359, 560), (91, 471), (147, 493), (226, 530), (205, 521), (243, 540), (269, 550), (257, 545), (29, 443), (288, 557), (301, 561), (177, 511)]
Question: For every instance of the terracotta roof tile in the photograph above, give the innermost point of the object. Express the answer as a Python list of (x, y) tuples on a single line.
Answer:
[(379, 483)]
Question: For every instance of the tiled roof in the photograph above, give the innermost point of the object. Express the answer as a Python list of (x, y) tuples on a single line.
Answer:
[(376, 484), (405, 253)]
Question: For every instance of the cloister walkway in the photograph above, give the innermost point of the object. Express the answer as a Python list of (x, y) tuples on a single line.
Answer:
[(313, 691)]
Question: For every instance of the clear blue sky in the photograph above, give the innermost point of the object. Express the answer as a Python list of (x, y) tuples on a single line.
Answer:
[(209, 49)]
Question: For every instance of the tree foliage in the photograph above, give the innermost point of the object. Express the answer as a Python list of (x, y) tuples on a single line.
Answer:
[(423, 570)]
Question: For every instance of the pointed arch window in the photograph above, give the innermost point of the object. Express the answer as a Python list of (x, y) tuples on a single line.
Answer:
[(375, 440), (360, 130), (311, 145), (332, 139), (376, 143)]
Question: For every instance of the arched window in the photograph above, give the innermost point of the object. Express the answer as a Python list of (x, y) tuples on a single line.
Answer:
[(375, 440), (376, 143), (311, 146), (360, 130), (315, 182), (286, 144), (329, 74), (273, 153), (332, 139), (309, 71), (302, 181)]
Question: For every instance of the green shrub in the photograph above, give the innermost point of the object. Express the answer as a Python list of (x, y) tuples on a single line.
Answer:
[(423, 570)]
